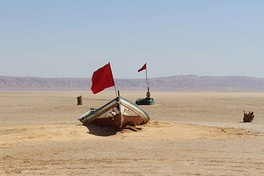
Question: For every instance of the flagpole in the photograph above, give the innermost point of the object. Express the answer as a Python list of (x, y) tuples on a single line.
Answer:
[(114, 82), (147, 77), (115, 91), (148, 93)]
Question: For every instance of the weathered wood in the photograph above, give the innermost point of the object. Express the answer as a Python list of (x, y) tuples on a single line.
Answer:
[(248, 117), (79, 100), (148, 93)]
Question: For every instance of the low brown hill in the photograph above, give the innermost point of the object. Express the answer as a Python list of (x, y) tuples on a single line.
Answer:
[(173, 83)]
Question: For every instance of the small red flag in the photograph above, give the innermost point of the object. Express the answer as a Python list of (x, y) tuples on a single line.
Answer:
[(143, 68), (102, 78)]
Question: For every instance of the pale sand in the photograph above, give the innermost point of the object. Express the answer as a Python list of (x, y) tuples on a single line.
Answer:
[(190, 133)]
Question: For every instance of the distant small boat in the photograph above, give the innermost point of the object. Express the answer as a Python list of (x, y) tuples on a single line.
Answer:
[(119, 113), (145, 101)]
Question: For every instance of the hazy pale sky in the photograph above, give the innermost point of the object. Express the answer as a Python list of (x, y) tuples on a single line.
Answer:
[(73, 38)]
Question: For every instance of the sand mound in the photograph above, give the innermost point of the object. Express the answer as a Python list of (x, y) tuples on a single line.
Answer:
[(26, 134)]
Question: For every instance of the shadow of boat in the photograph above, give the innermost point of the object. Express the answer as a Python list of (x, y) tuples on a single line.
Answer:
[(101, 131)]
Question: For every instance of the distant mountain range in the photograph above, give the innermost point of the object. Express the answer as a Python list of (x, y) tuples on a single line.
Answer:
[(172, 83)]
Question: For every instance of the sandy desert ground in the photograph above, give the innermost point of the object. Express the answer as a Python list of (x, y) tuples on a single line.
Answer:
[(190, 133)]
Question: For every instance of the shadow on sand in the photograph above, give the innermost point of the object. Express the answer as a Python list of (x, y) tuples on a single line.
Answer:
[(101, 131), (96, 130)]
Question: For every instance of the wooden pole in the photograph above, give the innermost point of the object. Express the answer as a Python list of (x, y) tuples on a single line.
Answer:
[(147, 77), (148, 93), (79, 100)]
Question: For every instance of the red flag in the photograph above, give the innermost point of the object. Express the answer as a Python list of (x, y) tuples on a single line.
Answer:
[(143, 68), (102, 78)]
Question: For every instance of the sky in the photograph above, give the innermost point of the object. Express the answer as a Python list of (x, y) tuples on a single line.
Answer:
[(73, 38)]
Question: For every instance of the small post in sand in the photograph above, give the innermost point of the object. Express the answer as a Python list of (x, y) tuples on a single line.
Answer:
[(79, 100)]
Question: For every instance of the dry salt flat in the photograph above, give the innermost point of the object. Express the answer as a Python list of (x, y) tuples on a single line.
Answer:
[(190, 133)]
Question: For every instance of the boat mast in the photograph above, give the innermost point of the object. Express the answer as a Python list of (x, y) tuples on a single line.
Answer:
[(116, 92), (148, 93), (114, 83), (147, 77)]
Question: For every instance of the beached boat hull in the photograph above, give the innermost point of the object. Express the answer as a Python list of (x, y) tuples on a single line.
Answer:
[(145, 101), (117, 113)]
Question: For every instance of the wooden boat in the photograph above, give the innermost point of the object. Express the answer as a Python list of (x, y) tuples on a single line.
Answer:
[(119, 113)]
